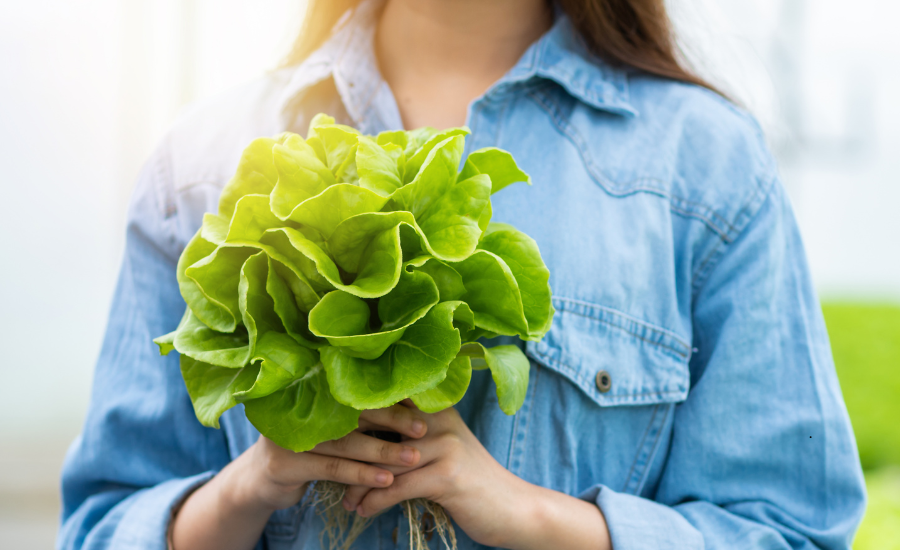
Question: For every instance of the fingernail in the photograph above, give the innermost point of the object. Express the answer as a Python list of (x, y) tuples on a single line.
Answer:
[(359, 510), (408, 455), (347, 505), (418, 426), (382, 477)]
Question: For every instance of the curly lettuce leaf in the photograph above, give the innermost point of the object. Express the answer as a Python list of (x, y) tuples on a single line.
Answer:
[(223, 349), (343, 272), (448, 280), (446, 210), (256, 173), (415, 363), (325, 211), (335, 145), (293, 318), (303, 414), (497, 164), (509, 368), (344, 319), (301, 175), (521, 254), (450, 391), (281, 360), (493, 293), (212, 388), (421, 144), (210, 312)]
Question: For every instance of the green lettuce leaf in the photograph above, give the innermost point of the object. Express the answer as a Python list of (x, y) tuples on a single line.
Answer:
[(448, 280), (301, 175), (335, 145), (521, 254), (447, 211), (256, 173), (496, 163), (381, 166), (212, 313), (328, 209), (249, 222), (493, 293), (303, 414), (342, 272), (421, 144), (415, 363), (293, 318), (450, 391), (166, 342), (509, 368), (217, 277), (212, 388), (344, 319), (280, 360), (256, 305), (223, 349), (377, 267)]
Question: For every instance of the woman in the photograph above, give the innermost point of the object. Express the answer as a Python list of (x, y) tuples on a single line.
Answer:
[(685, 396)]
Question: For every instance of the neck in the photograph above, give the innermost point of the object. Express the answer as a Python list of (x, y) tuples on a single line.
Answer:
[(439, 55)]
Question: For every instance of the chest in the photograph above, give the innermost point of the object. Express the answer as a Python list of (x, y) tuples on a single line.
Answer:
[(605, 380)]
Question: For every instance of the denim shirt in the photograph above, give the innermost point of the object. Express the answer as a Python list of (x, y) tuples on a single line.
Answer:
[(686, 386)]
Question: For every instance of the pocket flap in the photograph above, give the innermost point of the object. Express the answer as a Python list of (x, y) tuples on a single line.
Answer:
[(645, 364)]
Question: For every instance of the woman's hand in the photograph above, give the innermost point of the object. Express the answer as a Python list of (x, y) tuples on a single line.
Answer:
[(278, 477), (491, 504), (231, 510), (455, 471)]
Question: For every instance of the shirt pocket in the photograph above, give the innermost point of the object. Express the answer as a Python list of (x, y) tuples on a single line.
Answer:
[(615, 359)]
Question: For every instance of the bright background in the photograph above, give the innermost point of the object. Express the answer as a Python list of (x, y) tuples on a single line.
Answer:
[(87, 89)]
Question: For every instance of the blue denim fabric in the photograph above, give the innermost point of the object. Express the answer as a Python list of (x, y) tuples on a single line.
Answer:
[(676, 267)]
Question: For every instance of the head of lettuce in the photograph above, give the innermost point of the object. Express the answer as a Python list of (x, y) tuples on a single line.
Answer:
[(346, 272)]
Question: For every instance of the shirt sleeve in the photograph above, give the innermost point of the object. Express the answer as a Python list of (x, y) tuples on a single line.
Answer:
[(762, 453), (142, 449)]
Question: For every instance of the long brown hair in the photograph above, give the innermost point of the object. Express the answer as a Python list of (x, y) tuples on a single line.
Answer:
[(633, 33)]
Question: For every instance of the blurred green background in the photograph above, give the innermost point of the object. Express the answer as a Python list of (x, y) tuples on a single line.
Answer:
[(865, 339)]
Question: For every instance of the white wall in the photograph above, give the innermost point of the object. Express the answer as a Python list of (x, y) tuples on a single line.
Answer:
[(823, 77), (87, 88)]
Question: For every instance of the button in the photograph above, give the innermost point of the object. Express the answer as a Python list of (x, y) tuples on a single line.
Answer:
[(604, 381)]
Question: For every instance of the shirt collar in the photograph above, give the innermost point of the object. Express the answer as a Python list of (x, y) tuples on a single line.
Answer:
[(348, 57), (562, 56)]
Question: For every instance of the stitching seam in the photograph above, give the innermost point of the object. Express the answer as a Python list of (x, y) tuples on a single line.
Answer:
[(653, 329), (640, 448), (573, 375), (708, 216), (652, 454)]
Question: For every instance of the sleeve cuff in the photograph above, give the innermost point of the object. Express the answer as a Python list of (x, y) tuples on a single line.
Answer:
[(637, 523), (145, 524)]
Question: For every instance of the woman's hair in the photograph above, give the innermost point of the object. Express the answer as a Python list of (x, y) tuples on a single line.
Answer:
[(636, 33)]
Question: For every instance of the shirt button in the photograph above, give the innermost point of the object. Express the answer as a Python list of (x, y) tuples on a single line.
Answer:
[(604, 381)]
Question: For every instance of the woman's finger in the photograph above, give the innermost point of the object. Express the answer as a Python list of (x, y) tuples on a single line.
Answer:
[(349, 472), (354, 495), (422, 483), (358, 446), (398, 418)]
